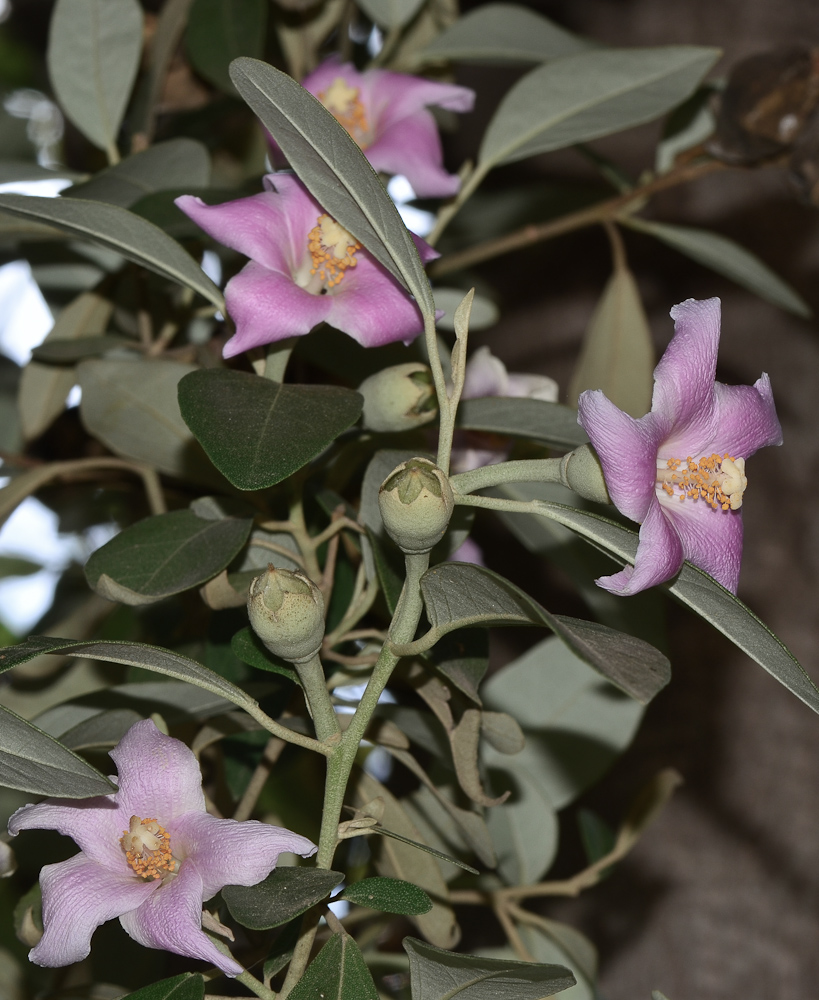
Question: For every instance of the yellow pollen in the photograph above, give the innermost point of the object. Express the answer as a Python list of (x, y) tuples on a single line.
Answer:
[(332, 250), (147, 848), (718, 480), (344, 104)]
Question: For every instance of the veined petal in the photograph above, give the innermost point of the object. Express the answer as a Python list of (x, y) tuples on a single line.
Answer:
[(159, 777), (372, 307), (78, 896), (267, 306), (395, 96), (659, 555), (300, 212), (711, 539), (227, 852), (627, 448), (412, 146), (171, 919)]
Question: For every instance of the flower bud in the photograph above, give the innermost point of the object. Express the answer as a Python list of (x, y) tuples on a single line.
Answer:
[(416, 504), (399, 398), (286, 612), (581, 471)]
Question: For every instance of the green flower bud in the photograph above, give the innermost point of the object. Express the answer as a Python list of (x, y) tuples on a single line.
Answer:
[(581, 471), (416, 504), (399, 398), (286, 612)]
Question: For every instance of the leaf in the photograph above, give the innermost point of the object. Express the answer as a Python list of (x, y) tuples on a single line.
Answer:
[(67, 352), (464, 742), (131, 406), (391, 13), (502, 33), (727, 258), (391, 895), (457, 595), (425, 848), (588, 95), (338, 972), (177, 163), (248, 647), (502, 732), (120, 230), (93, 55), (101, 731), (334, 169), (484, 312), (258, 432), (617, 354), (549, 423), (35, 762), (284, 894), (133, 654), (220, 31), (17, 566), (463, 659), (560, 944), (187, 986), (698, 591), (575, 723), (163, 555), (442, 975)]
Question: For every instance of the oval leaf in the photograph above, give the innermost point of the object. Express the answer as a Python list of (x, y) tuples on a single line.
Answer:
[(338, 971), (284, 894), (220, 31), (258, 432), (589, 95), (167, 554), (549, 423), (391, 13), (392, 895)]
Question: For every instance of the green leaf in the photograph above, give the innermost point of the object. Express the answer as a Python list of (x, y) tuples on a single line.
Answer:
[(67, 352), (17, 566), (551, 941), (93, 55), (597, 836), (165, 555), (220, 31), (575, 723), (484, 312), (442, 975), (187, 986), (458, 595), (101, 731), (334, 169), (727, 258), (284, 894), (503, 33), (392, 895), (698, 591), (258, 432), (120, 230), (33, 761), (392, 835), (549, 423), (133, 654), (463, 659), (391, 13), (248, 647), (177, 163), (589, 95), (618, 354), (338, 972)]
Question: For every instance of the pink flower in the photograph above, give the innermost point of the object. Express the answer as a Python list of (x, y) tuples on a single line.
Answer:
[(304, 269), (680, 470), (386, 113), (149, 854)]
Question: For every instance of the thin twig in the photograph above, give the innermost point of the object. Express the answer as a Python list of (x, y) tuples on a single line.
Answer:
[(271, 754)]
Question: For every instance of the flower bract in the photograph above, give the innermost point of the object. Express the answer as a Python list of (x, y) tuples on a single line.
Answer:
[(304, 269), (680, 470), (149, 854)]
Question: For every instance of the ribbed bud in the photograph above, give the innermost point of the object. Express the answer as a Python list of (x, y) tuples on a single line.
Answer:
[(581, 471), (286, 612), (399, 398), (416, 504)]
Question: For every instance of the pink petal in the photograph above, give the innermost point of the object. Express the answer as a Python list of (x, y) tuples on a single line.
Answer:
[(267, 306), (226, 852), (395, 96), (330, 70), (711, 539), (659, 555), (78, 896), (627, 448), (171, 919), (300, 212), (412, 146), (533, 387), (159, 777), (372, 307), (485, 376)]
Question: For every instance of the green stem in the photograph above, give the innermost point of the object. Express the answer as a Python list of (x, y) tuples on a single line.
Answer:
[(543, 470), (448, 212), (325, 720), (289, 735), (253, 984)]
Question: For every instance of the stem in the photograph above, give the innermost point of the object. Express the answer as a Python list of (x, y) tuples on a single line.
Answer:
[(271, 754), (325, 720), (257, 987), (448, 212), (447, 428), (543, 470), (288, 735)]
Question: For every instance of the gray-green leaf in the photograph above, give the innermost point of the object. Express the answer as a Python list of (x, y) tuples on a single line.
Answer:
[(391, 13), (284, 894), (549, 423), (220, 31), (338, 972), (187, 986), (392, 895)]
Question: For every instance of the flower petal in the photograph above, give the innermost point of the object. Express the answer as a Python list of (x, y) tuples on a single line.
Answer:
[(627, 448), (330, 70), (412, 146), (227, 852), (711, 539), (533, 387), (659, 555), (391, 97), (171, 919), (267, 306), (159, 777), (485, 375), (78, 896), (372, 307)]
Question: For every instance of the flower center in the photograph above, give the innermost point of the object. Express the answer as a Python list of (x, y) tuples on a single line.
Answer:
[(147, 848), (344, 104), (719, 481), (332, 250)]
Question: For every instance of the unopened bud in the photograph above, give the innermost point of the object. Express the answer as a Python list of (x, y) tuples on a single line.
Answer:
[(416, 504), (399, 398), (582, 472), (286, 611)]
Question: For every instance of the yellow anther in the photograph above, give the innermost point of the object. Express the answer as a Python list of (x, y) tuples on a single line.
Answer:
[(718, 480), (332, 250), (344, 104), (147, 848)]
